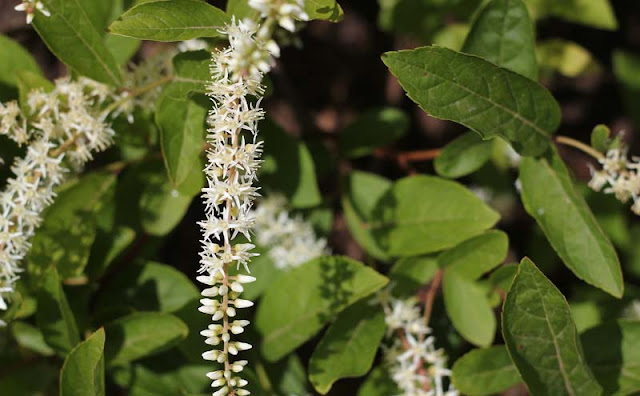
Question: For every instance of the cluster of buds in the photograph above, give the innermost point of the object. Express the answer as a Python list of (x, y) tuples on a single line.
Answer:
[(290, 239), (233, 159), (61, 128), (619, 176), (415, 365)]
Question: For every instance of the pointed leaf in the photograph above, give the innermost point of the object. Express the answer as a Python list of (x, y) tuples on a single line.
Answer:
[(542, 338), (83, 370), (549, 197), (490, 100), (503, 34), (74, 39), (464, 155), (174, 20), (476, 256), (299, 303)]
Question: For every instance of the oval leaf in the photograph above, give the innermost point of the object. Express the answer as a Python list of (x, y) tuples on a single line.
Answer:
[(485, 372), (301, 302), (424, 214), (349, 346), (490, 100), (542, 338), (83, 370), (174, 20), (468, 308), (566, 220), (476, 256), (503, 34)]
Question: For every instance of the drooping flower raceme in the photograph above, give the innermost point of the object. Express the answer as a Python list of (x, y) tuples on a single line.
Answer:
[(232, 161), (414, 363), (619, 176), (290, 239), (60, 128)]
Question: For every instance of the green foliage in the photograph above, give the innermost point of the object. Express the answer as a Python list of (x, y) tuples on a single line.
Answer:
[(501, 103), (611, 350), (288, 167), (348, 347), (141, 334), (21, 60), (64, 240), (542, 338), (83, 370), (70, 33), (174, 20), (502, 33), (565, 57), (373, 129), (596, 13), (445, 215), (463, 156), (301, 302), (485, 372), (54, 316), (570, 227), (328, 10), (410, 273)]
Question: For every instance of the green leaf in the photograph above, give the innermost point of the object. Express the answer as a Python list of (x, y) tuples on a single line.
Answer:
[(502, 33), (182, 379), (147, 286), (31, 338), (502, 278), (21, 60), (612, 353), (464, 155), (162, 206), (485, 372), (182, 128), (174, 20), (71, 35), (288, 167), (327, 10), (362, 192), (570, 227), (192, 70), (348, 347), (122, 48), (542, 339), (425, 214), (299, 303), (600, 138), (141, 334), (596, 13), (54, 316), (411, 273), (468, 308), (372, 129), (65, 237), (83, 370), (107, 247), (488, 99), (20, 381), (476, 256)]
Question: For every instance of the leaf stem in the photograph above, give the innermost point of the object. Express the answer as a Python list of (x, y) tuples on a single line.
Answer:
[(567, 141)]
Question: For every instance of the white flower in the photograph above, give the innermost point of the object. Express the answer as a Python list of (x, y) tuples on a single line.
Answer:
[(619, 176), (30, 7), (284, 11)]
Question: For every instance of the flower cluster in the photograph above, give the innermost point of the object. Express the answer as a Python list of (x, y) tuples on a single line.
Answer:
[(415, 365), (30, 7), (619, 176), (291, 240), (233, 158), (60, 128), (283, 11)]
